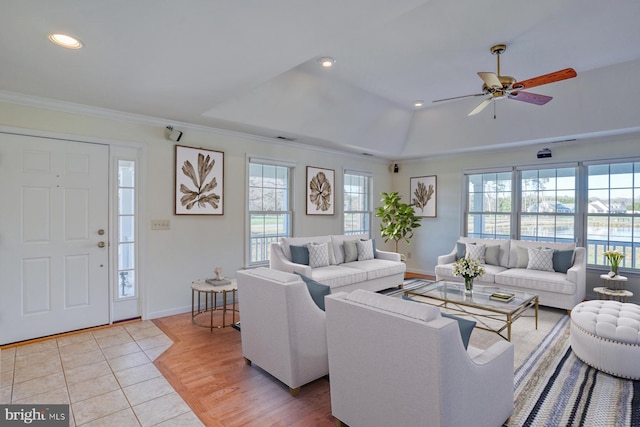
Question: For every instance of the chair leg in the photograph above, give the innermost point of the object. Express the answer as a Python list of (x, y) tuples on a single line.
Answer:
[(294, 391), (247, 361)]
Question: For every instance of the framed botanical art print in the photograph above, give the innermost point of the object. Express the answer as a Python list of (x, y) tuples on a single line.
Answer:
[(423, 196), (199, 181), (320, 191)]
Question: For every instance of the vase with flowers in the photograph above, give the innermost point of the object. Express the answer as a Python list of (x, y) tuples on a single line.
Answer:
[(469, 269), (614, 258)]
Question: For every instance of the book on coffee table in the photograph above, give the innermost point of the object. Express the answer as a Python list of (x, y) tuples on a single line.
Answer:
[(502, 296)]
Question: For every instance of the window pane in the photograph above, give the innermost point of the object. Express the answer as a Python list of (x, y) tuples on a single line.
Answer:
[(125, 229), (126, 199), (126, 283), (126, 256), (357, 210), (489, 205), (126, 173)]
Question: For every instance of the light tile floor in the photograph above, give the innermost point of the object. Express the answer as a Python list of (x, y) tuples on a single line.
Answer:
[(107, 376)]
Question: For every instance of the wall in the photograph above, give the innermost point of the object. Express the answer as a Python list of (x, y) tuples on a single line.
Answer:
[(172, 259), (437, 236)]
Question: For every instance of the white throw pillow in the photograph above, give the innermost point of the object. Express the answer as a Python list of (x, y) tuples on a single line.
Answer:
[(540, 259), (365, 250), (476, 252), (318, 255)]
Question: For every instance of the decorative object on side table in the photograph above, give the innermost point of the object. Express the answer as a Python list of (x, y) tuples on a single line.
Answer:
[(469, 269), (218, 280), (614, 258)]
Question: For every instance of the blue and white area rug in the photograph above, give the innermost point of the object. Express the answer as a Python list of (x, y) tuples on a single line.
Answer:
[(554, 388)]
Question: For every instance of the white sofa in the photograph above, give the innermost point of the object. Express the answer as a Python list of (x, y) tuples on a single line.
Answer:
[(554, 289), (283, 330), (400, 363), (384, 271)]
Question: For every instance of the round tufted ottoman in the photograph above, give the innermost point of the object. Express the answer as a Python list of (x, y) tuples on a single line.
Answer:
[(606, 335)]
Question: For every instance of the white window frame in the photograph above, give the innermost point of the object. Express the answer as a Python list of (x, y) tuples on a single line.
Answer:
[(250, 262), (368, 211)]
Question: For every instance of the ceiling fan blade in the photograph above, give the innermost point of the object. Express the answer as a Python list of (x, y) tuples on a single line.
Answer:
[(531, 98), (459, 97), (490, 79), (567, 73), (481, 107)]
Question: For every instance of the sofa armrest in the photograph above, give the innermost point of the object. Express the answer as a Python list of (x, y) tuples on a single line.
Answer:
[(501, 349), (390, 256), (278, 261), (448, 258), (578, 272)]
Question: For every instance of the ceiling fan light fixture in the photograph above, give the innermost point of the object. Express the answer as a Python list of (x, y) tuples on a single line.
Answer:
[(326, 62), (66, 41)]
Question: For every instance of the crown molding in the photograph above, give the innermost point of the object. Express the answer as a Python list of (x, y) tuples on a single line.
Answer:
[(107, 114)]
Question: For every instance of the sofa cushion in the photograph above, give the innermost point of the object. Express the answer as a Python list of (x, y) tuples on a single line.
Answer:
[(505, 245), (562, 260), (337, 243), (286, 242), (540, 259), (536, 280), (492, 255), (376, 268), (523, 257), (515, 244), (318, 255), (317, 290), (350, 250), (422, 312), (476, 252), (338, 275), (365, 250), (461, 250), (299, 254)]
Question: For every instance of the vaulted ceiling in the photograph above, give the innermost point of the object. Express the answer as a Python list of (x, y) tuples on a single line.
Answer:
[(252, 66)]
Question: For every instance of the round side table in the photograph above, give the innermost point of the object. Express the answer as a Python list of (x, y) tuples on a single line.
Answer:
[(614, 288), (211, 293)]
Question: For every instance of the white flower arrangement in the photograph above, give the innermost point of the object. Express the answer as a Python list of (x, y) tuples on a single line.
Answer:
[(468, 268), (614, 258)]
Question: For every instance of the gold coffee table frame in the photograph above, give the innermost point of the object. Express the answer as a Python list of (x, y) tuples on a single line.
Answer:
[(451, 296)]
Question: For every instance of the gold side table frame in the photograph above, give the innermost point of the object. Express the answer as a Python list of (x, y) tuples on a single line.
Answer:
[(211, 293)]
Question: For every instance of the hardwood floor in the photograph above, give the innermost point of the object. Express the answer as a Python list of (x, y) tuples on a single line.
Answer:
[(207, 369)]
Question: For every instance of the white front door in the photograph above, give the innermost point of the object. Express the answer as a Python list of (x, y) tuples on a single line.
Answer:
[(54, 272)]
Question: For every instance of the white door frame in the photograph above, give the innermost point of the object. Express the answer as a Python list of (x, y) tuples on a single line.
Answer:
[(116, 148)]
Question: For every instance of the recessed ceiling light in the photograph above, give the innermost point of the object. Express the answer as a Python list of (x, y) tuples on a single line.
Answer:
[(418, 103), (65, 41), (326, 62)]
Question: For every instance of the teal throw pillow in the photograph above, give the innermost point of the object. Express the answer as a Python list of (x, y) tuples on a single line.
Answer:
[(562, 260), (466, 326), (461, 249), (299, 254), (317, 290), (492, 255)]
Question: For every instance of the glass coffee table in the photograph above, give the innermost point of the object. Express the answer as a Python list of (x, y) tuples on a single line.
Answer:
[(490, 315)]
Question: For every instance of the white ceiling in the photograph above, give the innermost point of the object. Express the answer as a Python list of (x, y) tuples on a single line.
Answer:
[(251, 65)]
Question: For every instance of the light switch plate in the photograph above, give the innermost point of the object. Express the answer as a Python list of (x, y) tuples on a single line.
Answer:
[(160, 224)]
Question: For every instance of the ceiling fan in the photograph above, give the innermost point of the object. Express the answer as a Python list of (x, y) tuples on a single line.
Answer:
[(497, 87)]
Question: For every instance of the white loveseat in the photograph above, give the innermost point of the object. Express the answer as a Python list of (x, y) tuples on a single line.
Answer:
[(507, 270), (400, 363), (384, 271)]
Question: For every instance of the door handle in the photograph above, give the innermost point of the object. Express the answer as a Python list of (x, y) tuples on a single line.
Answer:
[(101, 244), (101, 231)]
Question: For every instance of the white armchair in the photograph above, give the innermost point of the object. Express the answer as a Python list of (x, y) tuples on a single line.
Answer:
[(400, 363), (283, 330)]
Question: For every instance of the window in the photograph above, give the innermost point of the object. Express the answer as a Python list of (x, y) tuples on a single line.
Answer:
[(489, 205), (357, 203), (126, 229), (613, 212), (548, 202), (269, 208)]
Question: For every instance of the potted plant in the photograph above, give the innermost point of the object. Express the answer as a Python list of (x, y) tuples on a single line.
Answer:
[(397, 219)]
